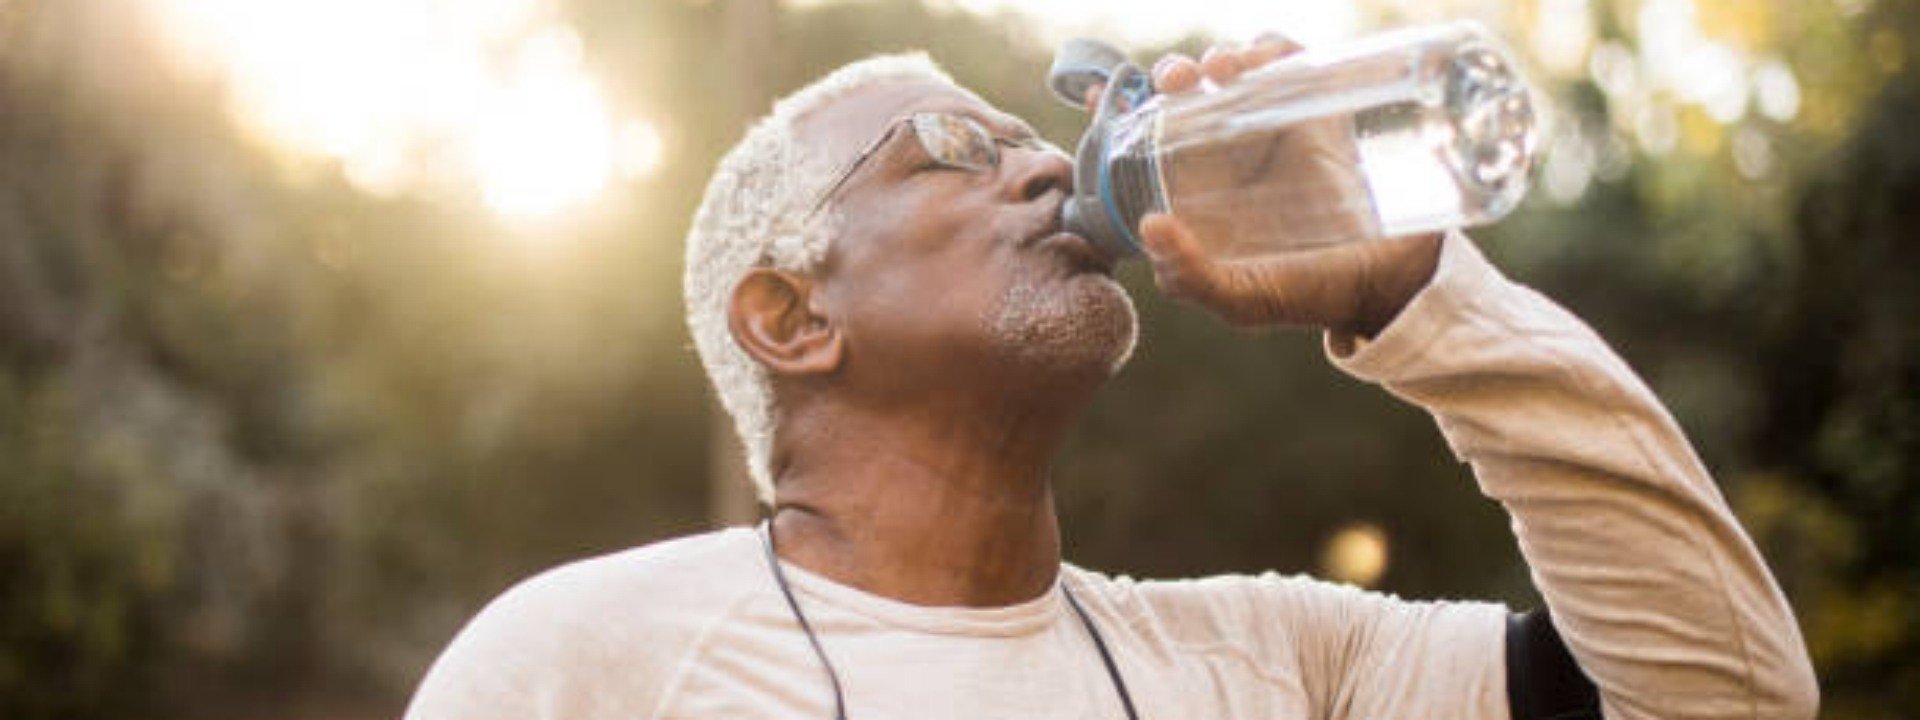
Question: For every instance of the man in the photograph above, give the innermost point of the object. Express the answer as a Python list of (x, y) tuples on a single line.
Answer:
[(878, 288)]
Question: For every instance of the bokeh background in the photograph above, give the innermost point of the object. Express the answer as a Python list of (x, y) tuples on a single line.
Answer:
[(324, 321)]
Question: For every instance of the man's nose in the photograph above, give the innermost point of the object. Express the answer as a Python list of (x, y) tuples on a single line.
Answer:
[(1037, 172)]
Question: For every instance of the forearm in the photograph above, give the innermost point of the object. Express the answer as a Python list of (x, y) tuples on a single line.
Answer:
[(1657, 591)]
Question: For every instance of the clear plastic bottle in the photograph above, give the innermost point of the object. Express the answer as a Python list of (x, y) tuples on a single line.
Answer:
[(1417, 130)]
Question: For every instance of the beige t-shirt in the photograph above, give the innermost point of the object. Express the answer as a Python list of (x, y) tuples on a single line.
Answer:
[(1659, 595)]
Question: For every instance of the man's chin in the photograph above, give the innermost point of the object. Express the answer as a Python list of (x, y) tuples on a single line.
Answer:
[(1087, 325), (1124, 330)]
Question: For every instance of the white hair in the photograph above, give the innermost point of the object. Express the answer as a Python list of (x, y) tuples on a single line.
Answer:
[(755, 214)]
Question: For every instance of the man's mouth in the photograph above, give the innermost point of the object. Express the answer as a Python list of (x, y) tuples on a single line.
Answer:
[(1079, 252)]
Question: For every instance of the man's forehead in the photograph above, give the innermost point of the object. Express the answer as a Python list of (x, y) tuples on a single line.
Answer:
[(844, 125)]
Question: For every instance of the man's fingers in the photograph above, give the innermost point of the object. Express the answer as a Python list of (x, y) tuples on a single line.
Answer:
[(1221, 64), (1172, 73), (1181, 268), (1178, 264), (1175, 73), (1302, 287), (1184, 271)]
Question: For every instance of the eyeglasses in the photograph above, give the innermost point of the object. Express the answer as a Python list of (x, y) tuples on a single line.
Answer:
[(952, 141)]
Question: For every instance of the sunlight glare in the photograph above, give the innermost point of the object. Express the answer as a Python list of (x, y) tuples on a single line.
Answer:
[(406, 94), (1142, 22), (1779, 92), (1570, 161), (1656, 128), (543, 141), (1357, 554), (1562, 35), (1711, 74), (637, 149)]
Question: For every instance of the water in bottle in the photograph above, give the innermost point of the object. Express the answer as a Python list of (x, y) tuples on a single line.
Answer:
[(1412, 131)]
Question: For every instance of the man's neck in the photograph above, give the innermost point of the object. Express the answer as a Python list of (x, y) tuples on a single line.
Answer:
[(922, 508)]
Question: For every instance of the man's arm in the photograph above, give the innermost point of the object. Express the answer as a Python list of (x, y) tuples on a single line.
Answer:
[(1660, 596)]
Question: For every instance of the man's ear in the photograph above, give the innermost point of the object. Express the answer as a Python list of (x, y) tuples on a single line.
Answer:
[(773, 318)]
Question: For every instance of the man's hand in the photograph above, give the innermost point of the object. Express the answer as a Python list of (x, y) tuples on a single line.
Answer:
[(1356, 287)]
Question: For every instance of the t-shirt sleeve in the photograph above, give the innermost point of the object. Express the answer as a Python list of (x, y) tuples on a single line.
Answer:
[(553, 647), (515, 660), (1355, 654), (481, 673), (1656, 590)]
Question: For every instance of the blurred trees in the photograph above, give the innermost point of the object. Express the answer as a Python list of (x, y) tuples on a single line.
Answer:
[(266, 439), (263, 435), (1841, 433)]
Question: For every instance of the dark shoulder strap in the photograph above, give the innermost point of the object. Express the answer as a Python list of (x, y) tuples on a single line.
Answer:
[(1543, 681)]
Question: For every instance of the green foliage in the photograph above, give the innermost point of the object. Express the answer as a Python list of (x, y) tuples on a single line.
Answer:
[(82, 575), (1843, 422)]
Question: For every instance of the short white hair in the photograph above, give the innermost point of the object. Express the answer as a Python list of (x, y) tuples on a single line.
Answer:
[(755, 214)]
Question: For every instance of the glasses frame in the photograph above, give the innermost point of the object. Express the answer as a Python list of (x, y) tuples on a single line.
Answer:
[(923, 125)]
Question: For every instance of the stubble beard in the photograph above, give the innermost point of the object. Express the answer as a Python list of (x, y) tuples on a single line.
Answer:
[(1088, 326)]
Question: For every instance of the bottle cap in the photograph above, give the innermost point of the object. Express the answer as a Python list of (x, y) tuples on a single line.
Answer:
[(1079, 64)]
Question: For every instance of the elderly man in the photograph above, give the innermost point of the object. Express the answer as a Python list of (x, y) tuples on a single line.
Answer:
[(878, 287)]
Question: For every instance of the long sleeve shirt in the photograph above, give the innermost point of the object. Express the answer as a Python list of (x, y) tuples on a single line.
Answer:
[(1661, 598)]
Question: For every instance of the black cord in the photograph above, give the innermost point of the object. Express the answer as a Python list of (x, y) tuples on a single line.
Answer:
[(1100, 643), (780, 577), (839, 698)]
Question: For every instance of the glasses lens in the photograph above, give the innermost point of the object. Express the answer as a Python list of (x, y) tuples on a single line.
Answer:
[(956, 141)]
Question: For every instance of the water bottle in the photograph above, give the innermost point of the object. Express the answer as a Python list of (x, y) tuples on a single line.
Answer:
[(1411, 131)]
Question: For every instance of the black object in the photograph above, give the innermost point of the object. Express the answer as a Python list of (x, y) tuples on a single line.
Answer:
[(1543, 680)]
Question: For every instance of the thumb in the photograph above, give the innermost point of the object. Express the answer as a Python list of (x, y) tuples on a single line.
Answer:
[(1180, 266)]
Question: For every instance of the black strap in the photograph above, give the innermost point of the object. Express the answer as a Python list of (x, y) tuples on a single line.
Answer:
[(1543, 680), (839, 697), (1100, 643), (780, 578)]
